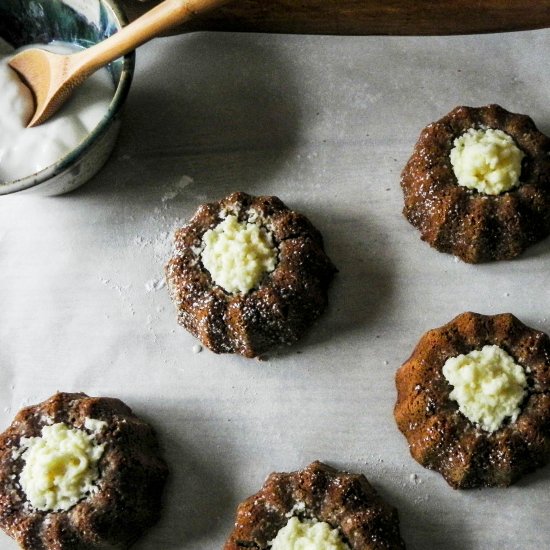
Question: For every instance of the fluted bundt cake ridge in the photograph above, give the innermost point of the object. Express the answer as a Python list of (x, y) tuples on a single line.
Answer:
[(474, 226), (345, 501), (441, 437), (126, 497), (290, 294)]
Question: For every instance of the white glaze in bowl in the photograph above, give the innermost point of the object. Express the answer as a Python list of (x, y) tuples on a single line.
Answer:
[(63, 22)]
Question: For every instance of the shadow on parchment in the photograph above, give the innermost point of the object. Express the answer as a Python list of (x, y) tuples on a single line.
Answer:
[(198, 499), (364, 284), (222, 108)]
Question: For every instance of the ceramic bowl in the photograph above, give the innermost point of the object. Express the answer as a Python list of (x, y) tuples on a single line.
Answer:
[(83, 22)]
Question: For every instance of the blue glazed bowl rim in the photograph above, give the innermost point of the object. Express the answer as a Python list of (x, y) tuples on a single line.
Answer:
[(79, 152)]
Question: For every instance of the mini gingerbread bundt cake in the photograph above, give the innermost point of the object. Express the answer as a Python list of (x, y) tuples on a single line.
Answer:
[(337, 510), (248, 273), (478, 184), (473, 400), (79, 473)]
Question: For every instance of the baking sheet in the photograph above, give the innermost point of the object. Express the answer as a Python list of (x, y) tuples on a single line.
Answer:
[(325, 123)]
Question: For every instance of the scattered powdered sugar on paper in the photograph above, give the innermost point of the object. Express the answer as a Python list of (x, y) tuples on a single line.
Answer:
[(158, 229), (121, 290), (140, 241), (163, 243), (176, 188), (114, 286), (155, 284), (162, 226), (170, 195), (197, 348), (151, 241)]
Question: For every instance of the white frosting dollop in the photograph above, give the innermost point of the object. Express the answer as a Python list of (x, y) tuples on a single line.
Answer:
[(238, 254), (487, 385), (308, 535), (488, 161), (60, 466)]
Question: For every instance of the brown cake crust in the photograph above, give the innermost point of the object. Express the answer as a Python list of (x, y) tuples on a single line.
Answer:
[(441, 438), (286, 303), (343, 500), (130, 483), (474, 226)]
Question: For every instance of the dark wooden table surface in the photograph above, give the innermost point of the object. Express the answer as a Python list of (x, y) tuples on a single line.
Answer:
[(359, 17)]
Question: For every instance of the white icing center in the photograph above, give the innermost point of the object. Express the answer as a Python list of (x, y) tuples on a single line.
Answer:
[(238, 254), (488, 161), (488, 386), (60, 467), (308, 535)]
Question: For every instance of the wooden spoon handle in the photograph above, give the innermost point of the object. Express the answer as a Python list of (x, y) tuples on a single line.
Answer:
[(156, 21), (361, 17)]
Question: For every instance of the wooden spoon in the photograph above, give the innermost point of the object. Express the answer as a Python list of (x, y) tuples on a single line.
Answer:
[(52, 77)]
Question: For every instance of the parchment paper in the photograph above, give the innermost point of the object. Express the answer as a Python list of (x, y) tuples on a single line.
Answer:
[(325, 123)]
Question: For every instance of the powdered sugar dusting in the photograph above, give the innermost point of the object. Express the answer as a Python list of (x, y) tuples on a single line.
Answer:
[(160, 241), (155, 284), (151, 242)]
